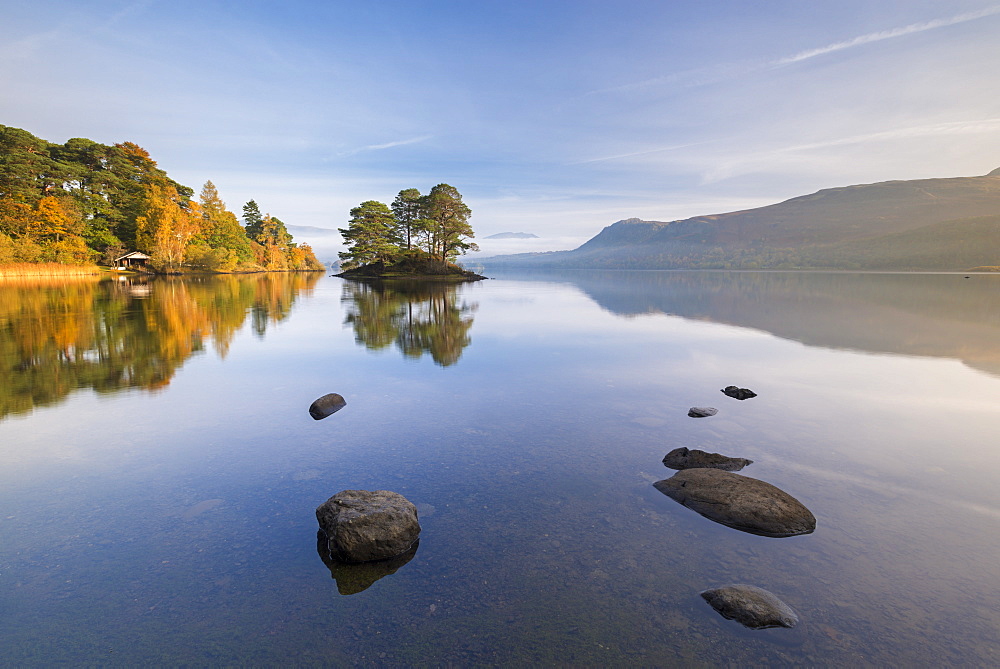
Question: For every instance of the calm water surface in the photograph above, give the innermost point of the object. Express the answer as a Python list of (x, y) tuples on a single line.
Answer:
[(159, 470)]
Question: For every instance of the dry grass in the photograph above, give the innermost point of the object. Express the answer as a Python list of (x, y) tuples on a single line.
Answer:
[(26, 269)]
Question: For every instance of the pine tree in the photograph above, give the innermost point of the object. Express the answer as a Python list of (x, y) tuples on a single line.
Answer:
[(370, 236), (407, 209)]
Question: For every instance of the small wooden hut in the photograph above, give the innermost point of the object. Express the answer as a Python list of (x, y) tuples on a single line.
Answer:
[(133, 260)]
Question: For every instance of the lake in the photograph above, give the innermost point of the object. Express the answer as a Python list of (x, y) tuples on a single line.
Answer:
[(159, 469)]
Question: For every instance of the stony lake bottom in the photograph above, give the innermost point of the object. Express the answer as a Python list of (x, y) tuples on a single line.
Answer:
[(160, 469)]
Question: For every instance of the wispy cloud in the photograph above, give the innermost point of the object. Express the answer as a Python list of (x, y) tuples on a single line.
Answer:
[(386, 145), (889, 34), (728, 71), (927, 130)]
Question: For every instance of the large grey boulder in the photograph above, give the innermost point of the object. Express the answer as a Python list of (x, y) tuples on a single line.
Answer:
[(702, 412), (366, 525), (327, 405), (751, 606), (685, 458), (740, 502)]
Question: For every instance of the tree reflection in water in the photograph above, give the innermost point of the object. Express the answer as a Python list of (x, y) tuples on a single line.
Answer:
[(59, 335), (418, 316)]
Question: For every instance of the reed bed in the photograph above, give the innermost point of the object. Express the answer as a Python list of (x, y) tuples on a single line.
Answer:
[(27, 269)]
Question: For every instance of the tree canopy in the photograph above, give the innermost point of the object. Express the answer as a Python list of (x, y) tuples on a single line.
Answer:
[(82, 201), (433, 226)]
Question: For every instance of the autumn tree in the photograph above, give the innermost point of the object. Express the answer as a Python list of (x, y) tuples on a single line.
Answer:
[(165, 226), (222, 243), (370, 235), (74, 201)]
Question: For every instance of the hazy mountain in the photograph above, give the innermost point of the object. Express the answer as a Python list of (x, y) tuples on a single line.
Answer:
[(926, 224), (512, 235), (311, 231)]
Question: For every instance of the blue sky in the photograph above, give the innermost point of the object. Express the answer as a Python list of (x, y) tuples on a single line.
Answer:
[(556, 118)]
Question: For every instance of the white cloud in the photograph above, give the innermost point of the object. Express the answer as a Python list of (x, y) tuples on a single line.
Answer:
[(888, 34), (387, 145)]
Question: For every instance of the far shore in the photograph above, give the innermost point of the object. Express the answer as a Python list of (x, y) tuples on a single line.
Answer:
[(28, 270)]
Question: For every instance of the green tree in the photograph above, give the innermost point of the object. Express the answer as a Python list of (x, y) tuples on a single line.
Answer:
[(407, 209), (370, 236), (253, 221), (447, 228)]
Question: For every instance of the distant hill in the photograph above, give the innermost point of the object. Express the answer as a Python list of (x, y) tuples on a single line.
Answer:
[(512, 235), (926, 224), (311, 231)]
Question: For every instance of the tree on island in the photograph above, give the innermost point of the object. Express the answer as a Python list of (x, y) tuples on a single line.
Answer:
[(447, 230), (407, 211), (370, 236), (433, 227)]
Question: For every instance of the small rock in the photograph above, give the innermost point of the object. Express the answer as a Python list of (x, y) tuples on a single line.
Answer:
[(364, 525), (702, 412), (326, 406), (684, 458), (739, 393), (751, 606), (740, 502)]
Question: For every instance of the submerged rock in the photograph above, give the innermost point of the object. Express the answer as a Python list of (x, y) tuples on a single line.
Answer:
[(684, 458), (740, 502), (739, 393), (702, 412), (354, 577), (326, 405), (366, 525), (751, 606)]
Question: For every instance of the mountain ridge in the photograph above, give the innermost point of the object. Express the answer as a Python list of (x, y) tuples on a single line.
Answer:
[(892, 225)]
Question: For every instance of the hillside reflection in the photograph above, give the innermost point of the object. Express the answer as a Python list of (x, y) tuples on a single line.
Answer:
[(57, 336), (417, 316), (938, 315)]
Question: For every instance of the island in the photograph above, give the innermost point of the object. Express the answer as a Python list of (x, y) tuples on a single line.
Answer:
[(417, 237)]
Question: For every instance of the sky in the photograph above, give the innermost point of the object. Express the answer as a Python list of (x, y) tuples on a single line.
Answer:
[(556, 118)]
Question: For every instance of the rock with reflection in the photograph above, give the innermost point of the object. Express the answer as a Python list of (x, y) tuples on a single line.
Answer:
[(751, 606), (327, 405), (739, 393), (366, 525), (353, 577), (741, 502), (417, 316), (702, 412), (685, 458)]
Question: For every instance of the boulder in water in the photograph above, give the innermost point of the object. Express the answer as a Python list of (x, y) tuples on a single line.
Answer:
[(685, 458), (751, 606), (741, 502), (739, 393), (366, 525), (326, 406)]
